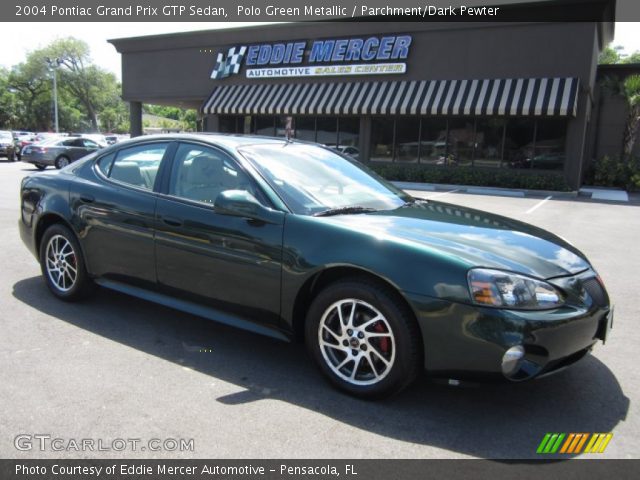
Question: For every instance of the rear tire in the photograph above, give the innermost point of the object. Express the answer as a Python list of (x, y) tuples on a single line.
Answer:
[(363, 338), (63, 265), (62, 162)]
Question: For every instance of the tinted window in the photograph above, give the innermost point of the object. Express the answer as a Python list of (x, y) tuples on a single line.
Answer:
[(89, 143), (72, 142), (104, 163), (201, 173), (138, 165)]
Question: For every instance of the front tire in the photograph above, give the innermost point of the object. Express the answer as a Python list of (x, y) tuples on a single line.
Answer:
[(363, 338), (62, 264)]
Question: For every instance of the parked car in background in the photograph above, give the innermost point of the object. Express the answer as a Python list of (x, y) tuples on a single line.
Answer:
[(111, 139), (96, 137), (353, 152), (21, 140), (58, 152), (7, 145)]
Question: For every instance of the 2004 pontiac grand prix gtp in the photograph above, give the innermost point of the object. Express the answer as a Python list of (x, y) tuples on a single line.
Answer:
[(294, 240)]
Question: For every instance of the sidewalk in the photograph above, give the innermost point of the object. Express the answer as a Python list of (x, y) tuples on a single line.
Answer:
[(595, 193)]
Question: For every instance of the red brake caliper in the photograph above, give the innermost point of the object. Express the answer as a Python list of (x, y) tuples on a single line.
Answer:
[(384, 341)]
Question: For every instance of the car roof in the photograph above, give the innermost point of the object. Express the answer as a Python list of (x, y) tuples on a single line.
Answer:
[(231, 141)]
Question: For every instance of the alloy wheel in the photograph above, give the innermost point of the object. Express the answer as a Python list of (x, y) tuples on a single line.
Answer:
[(356, 342), (61, 263)]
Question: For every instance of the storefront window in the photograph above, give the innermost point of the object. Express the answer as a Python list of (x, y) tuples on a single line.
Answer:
[(461, 140), (382, 135), (488, 142), (407, 139), (230, 124), (549, 145), (264, 126), (327, 133), (348, 131), (518, 143), (285, 126), (306, 128), (433, 140)]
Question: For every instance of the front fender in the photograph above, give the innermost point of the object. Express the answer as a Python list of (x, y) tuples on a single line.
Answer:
[(311, 245)]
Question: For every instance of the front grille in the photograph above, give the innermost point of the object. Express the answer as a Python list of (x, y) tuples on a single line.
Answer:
[(596, 292)]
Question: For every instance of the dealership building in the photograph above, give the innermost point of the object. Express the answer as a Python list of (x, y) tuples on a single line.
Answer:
[(489, 95)]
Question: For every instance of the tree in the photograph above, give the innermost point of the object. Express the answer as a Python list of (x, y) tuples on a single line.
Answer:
[(614, 55), (78, 76), (88, 97), (631, 92), (628, 88)]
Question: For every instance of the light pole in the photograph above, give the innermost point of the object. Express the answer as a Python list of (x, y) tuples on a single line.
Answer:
[(54, 64)]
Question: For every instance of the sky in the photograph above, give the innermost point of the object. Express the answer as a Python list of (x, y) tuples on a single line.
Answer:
[(26, 37)]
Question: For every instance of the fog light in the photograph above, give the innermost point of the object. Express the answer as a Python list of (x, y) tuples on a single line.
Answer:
[(511, 359)]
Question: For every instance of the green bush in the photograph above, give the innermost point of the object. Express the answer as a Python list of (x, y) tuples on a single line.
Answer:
[(471, 176), (615, 172)]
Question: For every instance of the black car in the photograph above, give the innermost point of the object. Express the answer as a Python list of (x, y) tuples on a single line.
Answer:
[(295, 240), (7, 145)]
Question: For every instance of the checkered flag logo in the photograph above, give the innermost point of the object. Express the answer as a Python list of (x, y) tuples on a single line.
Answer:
[(230, 65)]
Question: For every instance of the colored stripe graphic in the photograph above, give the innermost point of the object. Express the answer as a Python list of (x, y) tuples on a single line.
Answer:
[(598, 442), (553, 443)]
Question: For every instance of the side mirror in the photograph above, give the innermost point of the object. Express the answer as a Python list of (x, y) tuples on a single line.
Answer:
[(240, 203)]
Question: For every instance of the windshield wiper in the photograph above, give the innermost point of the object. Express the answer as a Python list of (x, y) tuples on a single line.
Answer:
[(414, 201), (344, 211)]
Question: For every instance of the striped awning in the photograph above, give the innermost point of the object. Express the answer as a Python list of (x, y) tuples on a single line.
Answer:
[(504, 97)]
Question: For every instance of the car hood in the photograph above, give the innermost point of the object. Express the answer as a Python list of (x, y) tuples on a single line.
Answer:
[(478, 238)]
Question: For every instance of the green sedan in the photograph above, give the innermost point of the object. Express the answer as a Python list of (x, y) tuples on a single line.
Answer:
[(298, 242)]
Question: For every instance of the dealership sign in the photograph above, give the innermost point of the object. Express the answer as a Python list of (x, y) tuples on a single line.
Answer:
[(353, 56)]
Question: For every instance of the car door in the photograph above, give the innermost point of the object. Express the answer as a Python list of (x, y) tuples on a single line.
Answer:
[(117, 213), (72, 148), (86, 147), (226, 262)]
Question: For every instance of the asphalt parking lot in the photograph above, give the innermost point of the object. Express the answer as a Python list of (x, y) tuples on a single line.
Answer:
[(117, 367)]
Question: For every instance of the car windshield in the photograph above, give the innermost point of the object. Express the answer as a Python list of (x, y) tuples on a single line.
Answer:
[(314, 180)]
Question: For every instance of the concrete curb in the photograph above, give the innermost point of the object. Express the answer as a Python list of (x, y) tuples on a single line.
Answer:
[(470, 189)]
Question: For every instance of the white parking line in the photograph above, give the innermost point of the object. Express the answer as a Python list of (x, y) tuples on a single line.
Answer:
[(443, 193), (539, 204)]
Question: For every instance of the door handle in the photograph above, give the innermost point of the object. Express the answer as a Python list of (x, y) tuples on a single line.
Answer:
[(174, 222), (86, 198)]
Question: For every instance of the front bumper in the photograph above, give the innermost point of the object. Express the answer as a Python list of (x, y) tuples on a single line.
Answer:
[(468, 342)]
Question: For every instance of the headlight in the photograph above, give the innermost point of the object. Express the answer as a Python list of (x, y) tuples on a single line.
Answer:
[(495, 288)]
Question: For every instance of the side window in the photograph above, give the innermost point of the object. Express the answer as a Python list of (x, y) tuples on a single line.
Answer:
[(72, 142), (138, 165), (104, 163), (89, 143), (201, 173)]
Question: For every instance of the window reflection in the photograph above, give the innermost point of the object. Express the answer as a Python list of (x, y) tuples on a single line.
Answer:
[(433, 140), (518, 144), (489, 141), (549, 145), (407, 136), (306, 128), (460, 141), (327, 131), (382, 136)]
